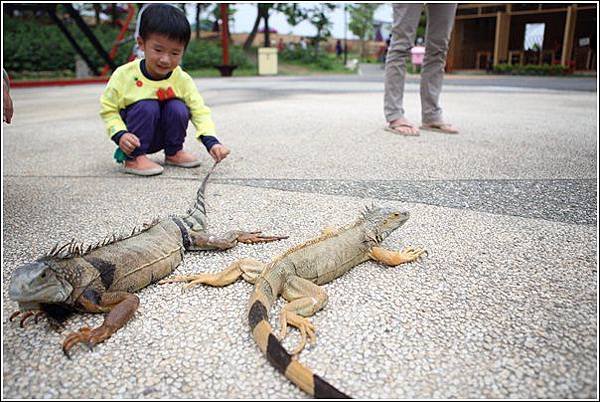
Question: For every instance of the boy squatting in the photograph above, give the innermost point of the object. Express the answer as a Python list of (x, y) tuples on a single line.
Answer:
[(147, 103)]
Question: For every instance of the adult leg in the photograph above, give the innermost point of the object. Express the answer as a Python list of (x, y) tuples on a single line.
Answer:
[(406, 20), (440, 20)]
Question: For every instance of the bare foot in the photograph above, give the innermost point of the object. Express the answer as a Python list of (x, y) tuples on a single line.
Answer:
[(403, 127)]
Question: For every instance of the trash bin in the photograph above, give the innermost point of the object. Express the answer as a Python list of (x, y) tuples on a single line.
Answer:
[(417, 54), (267, 61)]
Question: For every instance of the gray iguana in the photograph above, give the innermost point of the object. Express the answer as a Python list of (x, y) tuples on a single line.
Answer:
[(296, 275), (101, 278)]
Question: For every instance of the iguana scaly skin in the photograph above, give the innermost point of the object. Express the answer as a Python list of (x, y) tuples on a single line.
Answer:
[(296, 275), (101, 278)]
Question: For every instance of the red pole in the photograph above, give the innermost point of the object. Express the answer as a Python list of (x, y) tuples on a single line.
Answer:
[(225, 33)]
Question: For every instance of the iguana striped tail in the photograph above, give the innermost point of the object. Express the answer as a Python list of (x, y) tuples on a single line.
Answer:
[(258, 318)]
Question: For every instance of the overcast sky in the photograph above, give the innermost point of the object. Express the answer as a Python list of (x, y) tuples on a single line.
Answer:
[(246, 14)]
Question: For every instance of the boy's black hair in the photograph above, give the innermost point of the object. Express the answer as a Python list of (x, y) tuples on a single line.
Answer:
[(167, 20)]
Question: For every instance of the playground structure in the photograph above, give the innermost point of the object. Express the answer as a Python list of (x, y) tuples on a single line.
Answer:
[(101, 73), (126, 22), (125, 27)]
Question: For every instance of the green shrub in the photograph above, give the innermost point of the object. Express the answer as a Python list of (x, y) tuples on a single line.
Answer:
[(411, 68), (306, 57), (531, 69), (205, 53), (297, 55), (39, 45), (503, 69)]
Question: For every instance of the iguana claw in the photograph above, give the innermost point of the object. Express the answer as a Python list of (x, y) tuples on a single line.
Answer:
[(256, 237), (303, 324), (87, 336), (393, 258), (413, 254), (35, 313)]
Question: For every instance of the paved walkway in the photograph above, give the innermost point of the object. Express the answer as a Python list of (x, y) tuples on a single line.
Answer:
[(569, 83), (503, 306)]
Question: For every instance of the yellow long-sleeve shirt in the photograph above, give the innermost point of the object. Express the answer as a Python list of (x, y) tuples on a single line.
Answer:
[(128, 85)]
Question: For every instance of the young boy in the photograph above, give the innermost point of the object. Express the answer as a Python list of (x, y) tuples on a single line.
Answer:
[(147, 103)]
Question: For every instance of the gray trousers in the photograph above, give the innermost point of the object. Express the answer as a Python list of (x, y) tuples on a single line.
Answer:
[(440, 20)]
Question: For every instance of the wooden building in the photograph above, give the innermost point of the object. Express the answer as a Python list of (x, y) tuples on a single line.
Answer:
[(491, 34)]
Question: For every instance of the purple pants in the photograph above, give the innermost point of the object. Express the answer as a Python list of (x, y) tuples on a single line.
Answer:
[(158, 125)]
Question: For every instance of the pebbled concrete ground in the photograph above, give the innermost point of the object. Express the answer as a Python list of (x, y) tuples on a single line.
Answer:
[(503, 306)]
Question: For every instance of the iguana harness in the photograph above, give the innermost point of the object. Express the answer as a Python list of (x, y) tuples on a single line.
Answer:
[(101, 278), (296, 275)]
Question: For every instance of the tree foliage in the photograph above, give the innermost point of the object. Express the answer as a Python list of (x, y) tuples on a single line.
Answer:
[(263, 10), (294, 13), (318, 15), (33, 46), (315, 13), (37, 45), (361, 22)]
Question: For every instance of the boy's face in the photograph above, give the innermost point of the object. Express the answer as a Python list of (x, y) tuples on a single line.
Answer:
[(162, 54)]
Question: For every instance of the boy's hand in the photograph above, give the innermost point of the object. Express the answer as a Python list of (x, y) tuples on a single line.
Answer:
[(219, 152), (128, 142)]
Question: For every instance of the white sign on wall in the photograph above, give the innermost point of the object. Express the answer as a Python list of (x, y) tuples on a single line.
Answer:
[(584, 41), (534, 37)]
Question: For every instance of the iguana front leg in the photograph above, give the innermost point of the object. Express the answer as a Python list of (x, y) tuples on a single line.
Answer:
[(393, 258), (120, 306), (305, 299), (247, 268), (206, 241)]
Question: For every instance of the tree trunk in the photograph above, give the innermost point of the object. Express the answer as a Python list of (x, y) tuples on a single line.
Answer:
[(198, 10), (252, 35), (97, 13), (267, 33), (113, 14)]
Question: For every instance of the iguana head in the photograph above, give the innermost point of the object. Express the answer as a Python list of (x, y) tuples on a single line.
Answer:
[(383, 221), (36, 283)]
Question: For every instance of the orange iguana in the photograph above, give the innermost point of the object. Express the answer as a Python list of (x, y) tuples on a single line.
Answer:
[(296, 275)]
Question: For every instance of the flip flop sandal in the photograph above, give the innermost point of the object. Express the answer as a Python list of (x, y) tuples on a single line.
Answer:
[(392, 129), (439, 128)]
